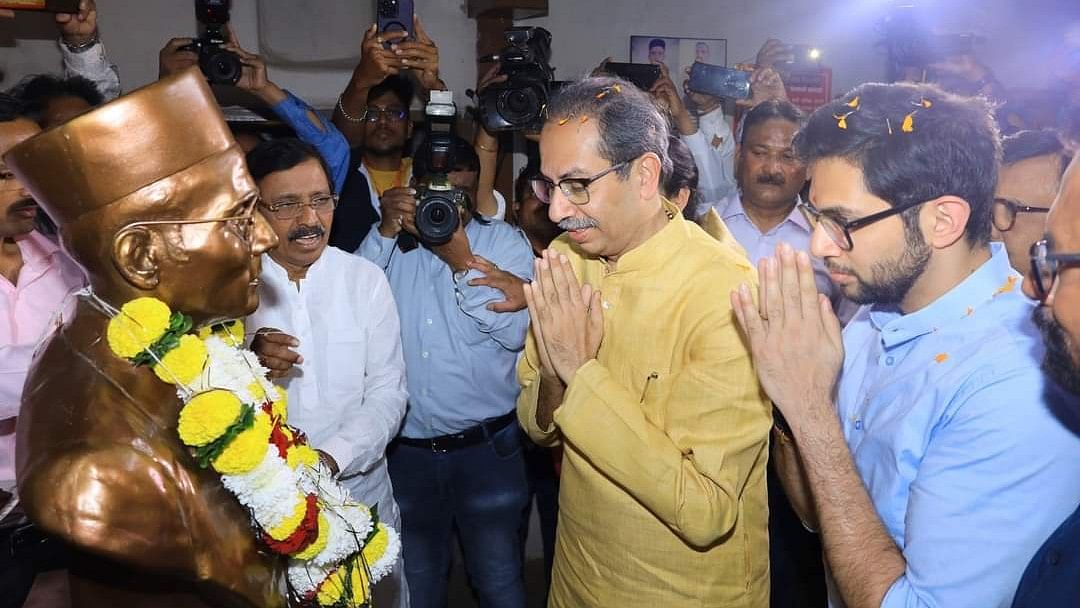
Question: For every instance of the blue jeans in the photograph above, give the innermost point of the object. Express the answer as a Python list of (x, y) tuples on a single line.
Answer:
[(482, 491)]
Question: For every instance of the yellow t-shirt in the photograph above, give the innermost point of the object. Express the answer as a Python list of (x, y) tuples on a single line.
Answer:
[(386, 180)]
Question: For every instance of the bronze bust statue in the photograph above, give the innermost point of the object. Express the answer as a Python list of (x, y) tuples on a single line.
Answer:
[(153, 198)]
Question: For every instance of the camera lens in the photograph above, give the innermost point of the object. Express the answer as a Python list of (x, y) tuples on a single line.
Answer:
[(222, 67), (519, 106), (436, 219)]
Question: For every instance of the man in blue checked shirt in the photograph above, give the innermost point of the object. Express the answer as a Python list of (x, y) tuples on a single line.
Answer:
[(458, 462), (922, 443)]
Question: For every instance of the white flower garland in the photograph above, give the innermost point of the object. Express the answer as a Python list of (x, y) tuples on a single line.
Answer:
[(295, 503)]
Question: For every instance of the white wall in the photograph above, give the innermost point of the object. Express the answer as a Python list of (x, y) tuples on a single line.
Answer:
[(135, 30), (1022, 34)]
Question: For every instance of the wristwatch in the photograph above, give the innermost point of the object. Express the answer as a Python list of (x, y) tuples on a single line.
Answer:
[(459, 275), (82, 47)]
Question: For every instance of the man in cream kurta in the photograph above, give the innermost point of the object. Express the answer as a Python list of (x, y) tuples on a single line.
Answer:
[(663, 499), (327, 326)]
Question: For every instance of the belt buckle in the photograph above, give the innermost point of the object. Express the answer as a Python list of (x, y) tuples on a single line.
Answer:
[(439, 445)]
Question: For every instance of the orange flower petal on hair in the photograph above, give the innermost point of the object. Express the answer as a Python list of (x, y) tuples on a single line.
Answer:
[(909, 123), (564, 121), (854, 103), (941, 358), (617, 87), (1010, 285), (926, 103), (584, 119)]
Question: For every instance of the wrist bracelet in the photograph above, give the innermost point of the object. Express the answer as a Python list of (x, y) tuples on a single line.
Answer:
[(341, 108), (82, 47)]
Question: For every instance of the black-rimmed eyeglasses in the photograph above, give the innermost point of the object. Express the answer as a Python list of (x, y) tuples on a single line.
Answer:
[(1005, 210), (840, 231), (372, 114), (1045, 265), (575, 189)]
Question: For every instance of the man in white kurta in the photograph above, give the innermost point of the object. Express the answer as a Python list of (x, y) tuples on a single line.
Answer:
[(327, 327)]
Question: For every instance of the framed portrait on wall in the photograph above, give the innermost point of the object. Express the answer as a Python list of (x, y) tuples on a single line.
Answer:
[(678, 53)]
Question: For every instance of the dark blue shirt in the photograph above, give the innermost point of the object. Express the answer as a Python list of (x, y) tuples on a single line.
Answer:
[(1052, 579)]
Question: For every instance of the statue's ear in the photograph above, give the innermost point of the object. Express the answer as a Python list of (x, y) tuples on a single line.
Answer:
[(137, 252)]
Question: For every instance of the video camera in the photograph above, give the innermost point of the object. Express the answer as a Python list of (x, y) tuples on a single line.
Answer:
[(218, 65), (519, 102), (438, 210)]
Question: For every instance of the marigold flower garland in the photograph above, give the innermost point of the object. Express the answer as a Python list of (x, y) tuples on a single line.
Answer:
[(234, 420)]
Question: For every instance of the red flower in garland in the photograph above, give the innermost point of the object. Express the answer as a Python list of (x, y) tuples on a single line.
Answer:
[(305, 534)]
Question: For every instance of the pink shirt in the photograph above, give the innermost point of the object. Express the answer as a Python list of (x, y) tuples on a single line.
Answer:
[(28, 311)]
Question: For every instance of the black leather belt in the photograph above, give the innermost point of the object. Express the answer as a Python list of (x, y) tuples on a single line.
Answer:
[(469, 437)]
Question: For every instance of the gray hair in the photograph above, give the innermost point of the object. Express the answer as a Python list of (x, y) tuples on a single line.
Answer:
[(629, 122)]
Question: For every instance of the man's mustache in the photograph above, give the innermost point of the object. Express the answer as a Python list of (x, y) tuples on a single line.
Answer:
[(306, 231), (578, 223), (832, 266), (771, 179), (23, 203)]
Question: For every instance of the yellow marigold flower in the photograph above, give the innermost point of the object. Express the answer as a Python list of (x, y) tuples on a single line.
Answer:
[(289, 525), (247, 450), (332, 588), (184, 363), (302, 454), (207, 416), (280, 405), (376, 547), (320, 543), (141, 322)]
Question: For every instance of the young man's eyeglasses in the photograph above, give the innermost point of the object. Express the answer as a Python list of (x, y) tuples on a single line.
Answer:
[(1045, 265), (840, 231), (575, 189), (290, 209), (1005, 210), (372, 114)]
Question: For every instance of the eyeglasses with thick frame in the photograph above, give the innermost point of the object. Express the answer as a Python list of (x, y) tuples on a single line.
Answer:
[(840, 232), (575, 189), (1045, 266), (292, 209), (372, 114), (1006, 217)]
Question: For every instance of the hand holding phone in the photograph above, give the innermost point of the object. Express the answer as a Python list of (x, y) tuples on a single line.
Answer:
[(394, 16), (641, 75), (719, 81)]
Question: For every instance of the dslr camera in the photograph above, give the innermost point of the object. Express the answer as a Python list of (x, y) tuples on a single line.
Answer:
[(439, 204), (218, 65), (519, 103)]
